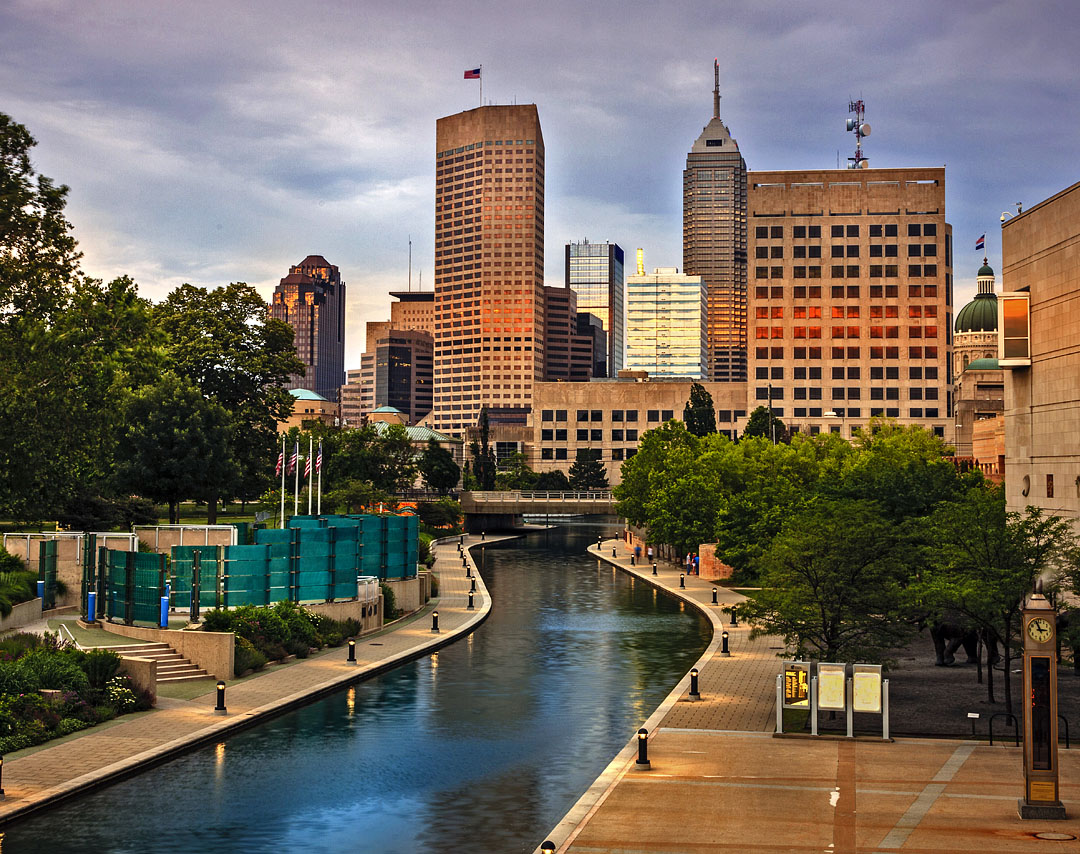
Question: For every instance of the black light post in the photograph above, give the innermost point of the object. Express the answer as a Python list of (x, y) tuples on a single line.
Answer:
[(694, 693), (613, 553), (220, 709), (471, 608), (481, 536), (352, 651), (642, 748), (654, 568), (714, 597), (472, 589), (631, 560), (734, 619), (548, 846), (434, 621), (682, 580), (724, 648), (598, 541), (468, 571), (2, 796)]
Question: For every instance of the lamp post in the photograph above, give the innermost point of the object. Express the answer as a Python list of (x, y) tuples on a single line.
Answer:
[(220, 709), (832, 413)]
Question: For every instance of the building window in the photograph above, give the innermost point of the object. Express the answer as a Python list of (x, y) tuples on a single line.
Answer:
[(560, 435), (631, 435), (547, 415), (631, 416), (616, 415), (616, 453), (560, 453), (547, 435), (583, 415), (652, 415), (596, 415), (547, 453), (667, 414), (583, 435), (596, 435), (1049, 486), (560, 414)]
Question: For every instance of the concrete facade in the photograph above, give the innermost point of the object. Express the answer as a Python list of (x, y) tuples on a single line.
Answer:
[(850, 297), (1041, 255)]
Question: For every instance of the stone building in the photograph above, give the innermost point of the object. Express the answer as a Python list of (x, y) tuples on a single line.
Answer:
[(980, 386), (850, 304), (1039, 348)]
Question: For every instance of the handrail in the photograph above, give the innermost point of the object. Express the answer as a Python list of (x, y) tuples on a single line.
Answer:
[(520, 495)]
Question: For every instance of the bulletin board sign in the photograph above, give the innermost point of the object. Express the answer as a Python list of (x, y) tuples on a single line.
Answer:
[(796, 684), (866, 692), (832, 679)]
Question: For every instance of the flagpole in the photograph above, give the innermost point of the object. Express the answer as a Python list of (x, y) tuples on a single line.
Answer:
[(283, 467), (296, 481), (481, 84), (319, 459), (310, 441)]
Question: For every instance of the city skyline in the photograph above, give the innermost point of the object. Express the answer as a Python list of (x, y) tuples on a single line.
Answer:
[(211, 149)]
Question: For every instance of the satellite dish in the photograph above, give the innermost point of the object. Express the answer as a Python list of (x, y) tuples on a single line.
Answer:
[(864, 129), (864, 164), (851, 124)]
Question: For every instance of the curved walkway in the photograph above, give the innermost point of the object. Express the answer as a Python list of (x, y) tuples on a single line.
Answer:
[(721, 781), (43, 775)]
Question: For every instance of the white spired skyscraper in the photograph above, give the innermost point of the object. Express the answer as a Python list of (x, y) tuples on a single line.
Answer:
[(714, 239)]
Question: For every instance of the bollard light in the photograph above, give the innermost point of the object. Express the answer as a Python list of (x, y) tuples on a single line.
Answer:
[(598, 541), (694, 693), (434, 621), (2, 781), (461, 540), (714, 597), (352, 651), (682, 579), (724, 647), (548, 846), (481, 536), (613, 552), (468, 571), (734, 619), (220, 709), (654, 568), (631, 560), (464, 561), (472, 589), (471, 601), (642, 748)]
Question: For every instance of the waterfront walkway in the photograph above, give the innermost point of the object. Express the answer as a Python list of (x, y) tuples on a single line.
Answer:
[(721, 781), (39, 776)]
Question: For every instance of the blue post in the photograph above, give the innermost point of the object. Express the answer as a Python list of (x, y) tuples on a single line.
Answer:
[(164, 622), (41, 590), (91, 607)]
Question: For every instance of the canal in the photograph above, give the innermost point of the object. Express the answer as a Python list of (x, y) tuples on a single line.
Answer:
[(483, 746)]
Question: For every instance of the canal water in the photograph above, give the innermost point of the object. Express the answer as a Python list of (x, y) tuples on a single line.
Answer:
[(483, 746)]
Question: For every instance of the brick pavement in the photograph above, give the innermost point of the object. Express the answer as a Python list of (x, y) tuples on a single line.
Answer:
[(103, 754), (720, 781)]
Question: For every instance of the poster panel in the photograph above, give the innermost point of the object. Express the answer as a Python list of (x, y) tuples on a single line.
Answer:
[(796, 684), (866, 689), (831, 683)]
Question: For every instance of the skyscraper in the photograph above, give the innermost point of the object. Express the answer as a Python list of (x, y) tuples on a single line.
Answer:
[(311, 299), (666, 319), (714, 239), (594, 271), (489, 263)]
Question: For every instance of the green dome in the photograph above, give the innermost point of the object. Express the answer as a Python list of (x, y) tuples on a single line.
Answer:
[(986, 270), (979, 315), (983, 364)]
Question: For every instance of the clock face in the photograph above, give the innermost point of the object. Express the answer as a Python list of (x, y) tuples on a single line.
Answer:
[(1040, 630)]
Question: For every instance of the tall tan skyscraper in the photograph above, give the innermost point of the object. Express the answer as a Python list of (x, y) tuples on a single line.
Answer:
[(714, 239), (489, 264)]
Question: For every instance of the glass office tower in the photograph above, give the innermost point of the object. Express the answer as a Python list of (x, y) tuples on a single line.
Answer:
[(666, 324), (594, 271)]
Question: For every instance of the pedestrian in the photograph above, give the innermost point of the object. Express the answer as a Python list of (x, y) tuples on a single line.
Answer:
[(697, 565), (637, 551), (650, 554)]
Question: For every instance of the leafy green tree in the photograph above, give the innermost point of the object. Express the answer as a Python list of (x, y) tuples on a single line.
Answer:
[(177, 444), (763, 423), (438, 468), (444, 513), (356, 496), (587, 471), (483, 457), (833, 585), (985, 561), (552, 481), (514, 473), (224, 341), (699, 414), (644, 472)]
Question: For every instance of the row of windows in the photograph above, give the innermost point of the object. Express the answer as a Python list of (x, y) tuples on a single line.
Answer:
[(928, 352), (840, 393), (800, 332), (560, 453), (849, 271), (856, 412), (852, 372), (593, 435), (765, 312), (843, 291), (851, 250), (802, 232)]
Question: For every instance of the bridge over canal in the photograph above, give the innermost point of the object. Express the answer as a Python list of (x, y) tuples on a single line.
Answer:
[(486, 511)]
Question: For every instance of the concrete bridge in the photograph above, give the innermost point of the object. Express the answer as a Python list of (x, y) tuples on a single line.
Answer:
[(486, 511)]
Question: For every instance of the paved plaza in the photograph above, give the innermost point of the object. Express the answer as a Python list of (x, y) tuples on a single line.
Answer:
[(720, 780)]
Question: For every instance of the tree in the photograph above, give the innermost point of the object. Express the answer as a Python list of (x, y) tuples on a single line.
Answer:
[(552, 481), (644, 472), (514, 473), (438, 468), (699, 414), (587, 471), (177, 444), (833, 584), (763, 423), (224, 341), (444, 513), (483, 458), (985, 561)]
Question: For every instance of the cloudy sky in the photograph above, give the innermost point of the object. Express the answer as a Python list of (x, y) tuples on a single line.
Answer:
[(210, 142)]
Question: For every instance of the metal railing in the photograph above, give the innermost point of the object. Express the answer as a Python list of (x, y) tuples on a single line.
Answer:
[(598, 495)]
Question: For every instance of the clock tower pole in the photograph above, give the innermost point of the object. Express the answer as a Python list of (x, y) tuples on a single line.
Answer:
[(1041, 799)]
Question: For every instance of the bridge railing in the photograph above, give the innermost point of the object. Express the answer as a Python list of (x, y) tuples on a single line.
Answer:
[(598, 495)]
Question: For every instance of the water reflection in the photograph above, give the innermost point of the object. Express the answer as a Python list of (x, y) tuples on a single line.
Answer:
[(483, 746)]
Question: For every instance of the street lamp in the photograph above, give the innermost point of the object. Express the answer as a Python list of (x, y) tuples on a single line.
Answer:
[(832, 413)]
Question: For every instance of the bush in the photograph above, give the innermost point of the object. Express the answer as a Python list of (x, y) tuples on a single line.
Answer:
[(425, 555), (299, 626), (15, 587), (69, 725), (217, 620), (246, 657), (100, 665), (44, 668), (13, 646), (10, 562), (118, 694), (390, 611)]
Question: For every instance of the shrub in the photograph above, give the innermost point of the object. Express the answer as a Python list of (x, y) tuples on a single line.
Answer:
[(390, 611), (217, 620), (100, 665), (44, 668), (15, 645), (246, 657), (69, 725), (10, 562), (118, 694), (15, 587), (299, 625)]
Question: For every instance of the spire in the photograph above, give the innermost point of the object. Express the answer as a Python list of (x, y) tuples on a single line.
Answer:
[(716, 89)]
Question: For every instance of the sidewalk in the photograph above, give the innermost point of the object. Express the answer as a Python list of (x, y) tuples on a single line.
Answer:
[(105, 753), (720, 781)]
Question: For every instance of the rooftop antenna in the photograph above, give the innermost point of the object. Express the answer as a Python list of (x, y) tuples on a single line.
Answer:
[(410, 262), (861, 129), (716, 88)]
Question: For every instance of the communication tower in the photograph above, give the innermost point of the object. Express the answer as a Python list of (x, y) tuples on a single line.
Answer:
[(861, 129)]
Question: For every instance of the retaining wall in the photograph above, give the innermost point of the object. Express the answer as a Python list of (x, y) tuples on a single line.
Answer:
[(212, 651), (141, 671)]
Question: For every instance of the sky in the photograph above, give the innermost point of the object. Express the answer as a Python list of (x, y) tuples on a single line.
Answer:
[(213, 142)]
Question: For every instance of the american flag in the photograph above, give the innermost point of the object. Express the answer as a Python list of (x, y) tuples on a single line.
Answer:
[(292, 460), (307, 467), (318, 459), (472, 74), (280, 461), (980, 244)]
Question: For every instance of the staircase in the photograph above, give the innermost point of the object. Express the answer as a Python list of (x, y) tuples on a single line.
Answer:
[(172, 666)]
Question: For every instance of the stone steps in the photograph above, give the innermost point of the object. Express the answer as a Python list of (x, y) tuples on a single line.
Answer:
[(172, 666)]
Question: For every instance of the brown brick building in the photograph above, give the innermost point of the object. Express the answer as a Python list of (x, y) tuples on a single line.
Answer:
[(850, 297)]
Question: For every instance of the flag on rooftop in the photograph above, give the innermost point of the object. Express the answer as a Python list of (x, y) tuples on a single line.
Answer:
[(472, 74), (980, 244)]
